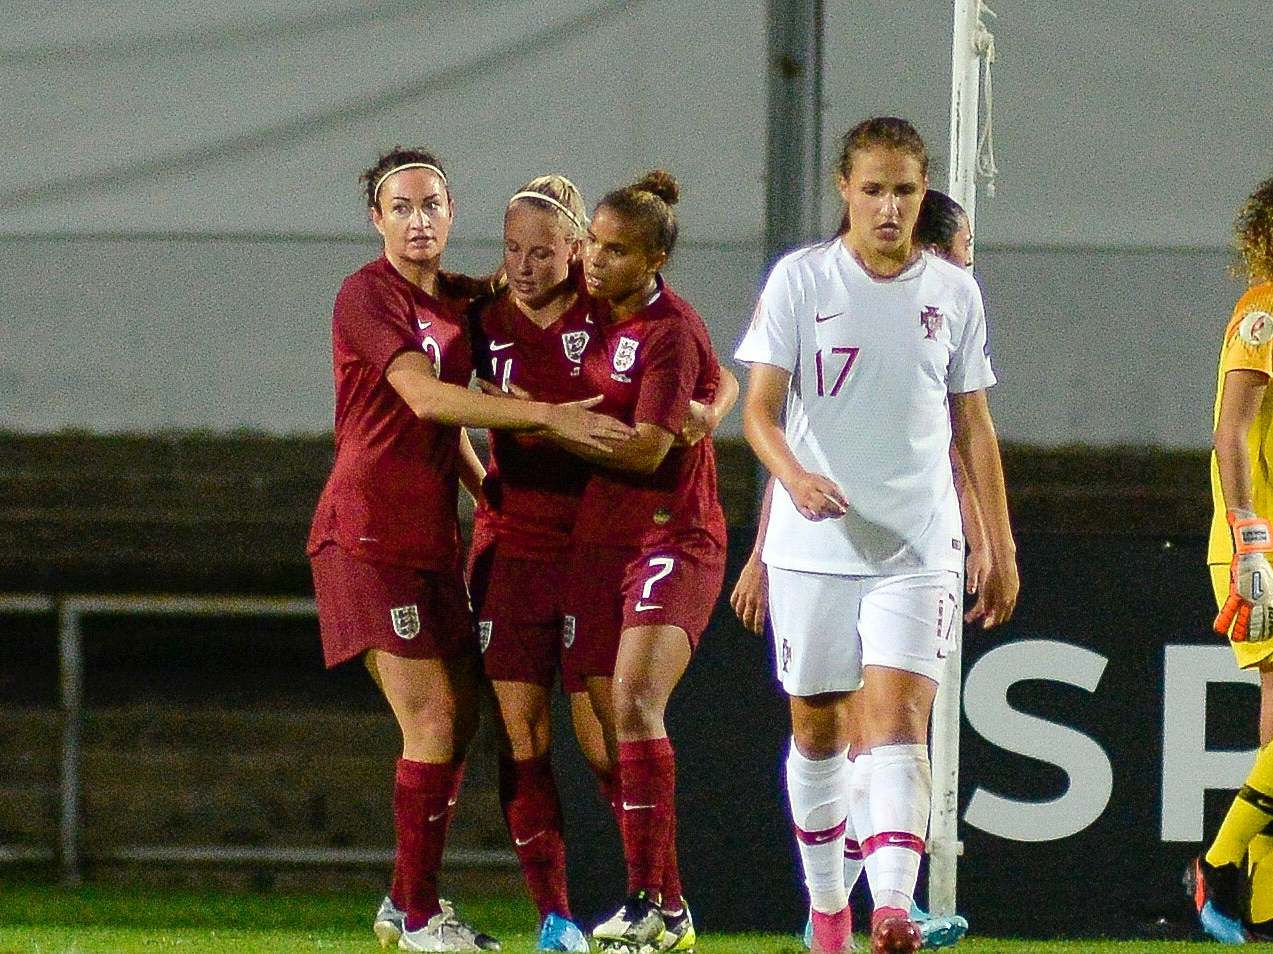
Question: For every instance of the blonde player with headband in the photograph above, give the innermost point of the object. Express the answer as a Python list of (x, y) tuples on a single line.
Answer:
[(384, 544), (1243, 581), (877, 353)]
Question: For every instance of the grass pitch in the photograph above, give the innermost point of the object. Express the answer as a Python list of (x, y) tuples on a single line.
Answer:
[(100, 920)]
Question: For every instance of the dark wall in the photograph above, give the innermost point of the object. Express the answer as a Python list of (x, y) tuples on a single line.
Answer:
[(1126, 599)]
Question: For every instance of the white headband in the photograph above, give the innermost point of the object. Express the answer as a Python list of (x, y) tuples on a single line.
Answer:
[(551, 201), (375, 193)]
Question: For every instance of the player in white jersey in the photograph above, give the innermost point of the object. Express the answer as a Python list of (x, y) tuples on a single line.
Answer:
[(872, 349)]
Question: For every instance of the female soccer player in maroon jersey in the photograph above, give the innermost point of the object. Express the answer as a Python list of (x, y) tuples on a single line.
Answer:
[(384, 544), (533, 339), (649, 539)]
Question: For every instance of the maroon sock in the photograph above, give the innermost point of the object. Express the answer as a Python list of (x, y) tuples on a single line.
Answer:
[(672, 900), (528, 796), (424, 796), (648, 772)]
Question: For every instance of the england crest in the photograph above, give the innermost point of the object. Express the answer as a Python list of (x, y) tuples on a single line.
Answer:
[(567, 631), (574, 343), (931, 318), (484, 633), (406, 621), (625, 353)]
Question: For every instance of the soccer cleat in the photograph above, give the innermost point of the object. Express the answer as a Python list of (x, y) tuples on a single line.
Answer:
[(387, 924), (636, 925), (831, 933), (446, 932), (938, 930), (893, 932), (678, 931), (561, 934), (1218, 893)]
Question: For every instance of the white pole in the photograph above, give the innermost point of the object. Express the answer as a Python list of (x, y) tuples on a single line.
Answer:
[(944, 847)]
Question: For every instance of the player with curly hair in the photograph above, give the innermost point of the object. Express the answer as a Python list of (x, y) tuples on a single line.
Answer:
[(1242, 496)]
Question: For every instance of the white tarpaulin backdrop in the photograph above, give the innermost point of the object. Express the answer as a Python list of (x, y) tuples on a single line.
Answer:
[(140, 132)]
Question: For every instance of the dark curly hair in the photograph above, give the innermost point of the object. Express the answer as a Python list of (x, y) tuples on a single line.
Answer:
[(1253, 232)]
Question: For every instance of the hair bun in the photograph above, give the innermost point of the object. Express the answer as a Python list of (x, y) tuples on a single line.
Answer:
[(659, 182)]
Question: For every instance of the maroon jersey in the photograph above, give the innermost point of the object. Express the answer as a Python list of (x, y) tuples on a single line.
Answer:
[(532, 487), (649, 367), (391, 496)]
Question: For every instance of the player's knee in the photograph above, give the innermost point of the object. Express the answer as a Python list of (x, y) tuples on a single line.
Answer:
[(638, 707)]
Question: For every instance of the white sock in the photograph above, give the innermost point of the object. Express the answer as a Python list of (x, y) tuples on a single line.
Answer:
[(853, 853), (901, 790), (816, 791), (860, 809)]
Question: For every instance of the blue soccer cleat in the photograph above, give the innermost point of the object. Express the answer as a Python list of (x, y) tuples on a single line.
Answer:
[(1218, 894), (938, 930), (562, 934)]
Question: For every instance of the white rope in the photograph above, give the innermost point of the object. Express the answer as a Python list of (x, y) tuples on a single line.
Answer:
[(984, 45)]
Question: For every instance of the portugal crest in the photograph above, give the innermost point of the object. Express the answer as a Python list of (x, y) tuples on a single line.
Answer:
[(406, 621), (625, 354), (931, 318), (574, 343)]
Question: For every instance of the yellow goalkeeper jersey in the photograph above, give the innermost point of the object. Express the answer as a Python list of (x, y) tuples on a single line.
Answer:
[(1251, 317)]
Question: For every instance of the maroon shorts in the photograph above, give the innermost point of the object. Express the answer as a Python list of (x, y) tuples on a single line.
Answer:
[(517, 602), (404, 611), (611, 589)]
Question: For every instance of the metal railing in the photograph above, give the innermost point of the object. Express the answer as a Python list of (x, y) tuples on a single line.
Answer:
[(70, 611)]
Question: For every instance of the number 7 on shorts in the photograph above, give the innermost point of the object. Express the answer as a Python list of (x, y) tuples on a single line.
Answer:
[(663, 566)]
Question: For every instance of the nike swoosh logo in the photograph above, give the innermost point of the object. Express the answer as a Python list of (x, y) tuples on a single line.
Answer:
[(439, 815), (821, 318), (634, 808), (423, 324), (642, 607), (502, 345), (523, 842)]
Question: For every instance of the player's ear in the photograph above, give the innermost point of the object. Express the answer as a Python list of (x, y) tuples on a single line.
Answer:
[(376, 218), (842, 185)]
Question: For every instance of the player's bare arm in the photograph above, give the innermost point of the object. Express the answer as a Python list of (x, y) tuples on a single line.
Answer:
[(977, 560), (1239, 404), (705, 418), (816, 497), (642, 454), (471, 470), (1245, 614), (978, 446), (411, 374), (750, 599)]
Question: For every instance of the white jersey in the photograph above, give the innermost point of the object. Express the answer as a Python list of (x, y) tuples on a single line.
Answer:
[(872, 362)]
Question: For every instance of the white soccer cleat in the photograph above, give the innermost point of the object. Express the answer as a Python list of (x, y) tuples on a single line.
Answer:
[(388, 922), (636, 927), (446, 932)]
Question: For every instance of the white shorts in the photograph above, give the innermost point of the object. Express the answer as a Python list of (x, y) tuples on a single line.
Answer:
[(827, 627)]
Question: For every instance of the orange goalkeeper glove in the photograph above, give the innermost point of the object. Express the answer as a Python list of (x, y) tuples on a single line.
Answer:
[(1249, 608)]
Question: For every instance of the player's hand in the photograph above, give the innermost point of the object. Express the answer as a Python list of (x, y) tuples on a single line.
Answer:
[(976, 568), (1247, 615), (573, 422), (750, 598), (816, 497), (998, 594), (701, 421)]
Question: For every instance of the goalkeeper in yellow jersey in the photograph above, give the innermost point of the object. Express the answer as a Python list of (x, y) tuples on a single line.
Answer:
[(1232, 884)]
